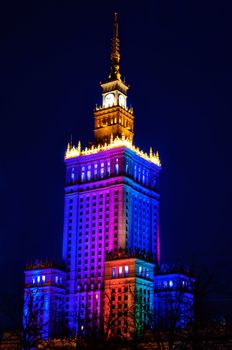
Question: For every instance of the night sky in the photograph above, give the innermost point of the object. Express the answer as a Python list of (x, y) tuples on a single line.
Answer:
[(177, 58)]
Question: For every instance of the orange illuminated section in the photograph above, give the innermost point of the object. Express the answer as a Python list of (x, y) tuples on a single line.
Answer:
[(128, 296)]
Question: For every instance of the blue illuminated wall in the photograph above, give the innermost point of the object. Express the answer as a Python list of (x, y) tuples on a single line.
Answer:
[(44, 300), (173, 298)]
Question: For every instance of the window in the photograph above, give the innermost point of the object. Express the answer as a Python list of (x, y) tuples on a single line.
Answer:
[(116, 167), (108, 168), (126, 168), (114, 272), (56, 279), (140, 270), (143, 177), (83, 174), (126, 270), (38, 279), (135, 172), (89, 175), (43, 278), (120, 271), (102, 170), (72, 175)]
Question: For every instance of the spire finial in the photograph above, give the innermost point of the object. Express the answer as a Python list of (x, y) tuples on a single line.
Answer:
[(115, 54)]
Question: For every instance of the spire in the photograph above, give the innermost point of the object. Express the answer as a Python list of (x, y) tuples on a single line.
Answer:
[(115, 54)]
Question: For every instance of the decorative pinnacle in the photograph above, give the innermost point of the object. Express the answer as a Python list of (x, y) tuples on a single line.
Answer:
[(115, 54)]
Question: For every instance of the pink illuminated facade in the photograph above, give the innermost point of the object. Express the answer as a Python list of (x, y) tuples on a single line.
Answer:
[(108, 208)]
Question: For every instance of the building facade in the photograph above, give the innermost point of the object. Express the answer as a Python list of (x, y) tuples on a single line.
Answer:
[(111, 239)]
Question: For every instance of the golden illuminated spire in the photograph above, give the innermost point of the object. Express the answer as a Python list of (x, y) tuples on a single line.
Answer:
[(115, 54)]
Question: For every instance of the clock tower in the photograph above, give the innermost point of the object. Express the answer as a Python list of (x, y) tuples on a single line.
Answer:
[(113, 118)]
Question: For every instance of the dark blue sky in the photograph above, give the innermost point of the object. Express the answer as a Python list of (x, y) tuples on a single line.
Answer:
[(176, 56)]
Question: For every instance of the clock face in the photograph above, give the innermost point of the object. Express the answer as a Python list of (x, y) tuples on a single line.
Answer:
[(109, 100), (122, 101)]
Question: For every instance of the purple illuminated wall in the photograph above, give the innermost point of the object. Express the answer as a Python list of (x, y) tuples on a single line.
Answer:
[(111, 202)]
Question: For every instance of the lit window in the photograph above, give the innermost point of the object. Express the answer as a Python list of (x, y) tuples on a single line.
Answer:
[(127, 168), (38, 279), (102, 173), (113, 272), (108, 168), (43, 278), (139, 174), (143, 178), (88, 175), (33, 280), (95, 171), (170, 283), (116, 166), (96, 296), (140, 270), (120, 271), (82, 174), (72, 174), (57, 279), (126, 270)]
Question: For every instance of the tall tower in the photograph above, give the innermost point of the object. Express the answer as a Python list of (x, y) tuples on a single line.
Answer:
[(111, 209), (111, 281)]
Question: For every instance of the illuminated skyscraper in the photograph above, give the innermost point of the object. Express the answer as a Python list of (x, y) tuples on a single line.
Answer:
[(111, 241), (111, 204)]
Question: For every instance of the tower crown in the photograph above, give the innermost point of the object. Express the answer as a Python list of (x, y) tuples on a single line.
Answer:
[(113, 118)]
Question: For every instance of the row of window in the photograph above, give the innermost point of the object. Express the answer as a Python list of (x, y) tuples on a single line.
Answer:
[(42, 279), (106, 169), (120, 271), (95, 171)]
